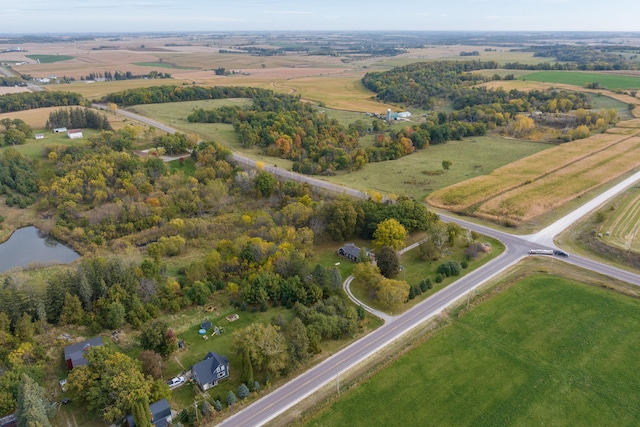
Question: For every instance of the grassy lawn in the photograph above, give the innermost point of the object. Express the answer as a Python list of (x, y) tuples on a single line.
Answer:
[(609, 81), (416, 270), (34, 148), (547, 351)]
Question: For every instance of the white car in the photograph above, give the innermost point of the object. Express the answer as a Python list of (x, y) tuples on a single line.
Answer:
[(175, 382)]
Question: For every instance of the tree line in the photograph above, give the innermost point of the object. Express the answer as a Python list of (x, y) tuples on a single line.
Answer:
[(28, 100)]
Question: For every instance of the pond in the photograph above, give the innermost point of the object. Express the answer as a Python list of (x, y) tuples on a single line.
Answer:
[(29, 245)]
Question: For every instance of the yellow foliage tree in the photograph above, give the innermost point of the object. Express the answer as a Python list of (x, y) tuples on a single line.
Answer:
[(389, 233), (392, 293)]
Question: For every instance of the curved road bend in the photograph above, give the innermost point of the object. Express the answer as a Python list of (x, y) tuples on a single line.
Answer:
[(271, 405)]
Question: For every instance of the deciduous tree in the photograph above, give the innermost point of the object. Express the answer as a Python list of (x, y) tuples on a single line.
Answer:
[(389, 233), (392, 293), (388, 262)]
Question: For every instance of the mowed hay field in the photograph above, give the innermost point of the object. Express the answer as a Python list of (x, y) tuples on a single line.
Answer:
[(546, 351), (533, 186), (621, 228)]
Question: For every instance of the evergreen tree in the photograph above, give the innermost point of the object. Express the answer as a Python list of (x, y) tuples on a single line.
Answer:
[(33, 409), (141, 413), (231, 398), (247, 367), (243, 391)]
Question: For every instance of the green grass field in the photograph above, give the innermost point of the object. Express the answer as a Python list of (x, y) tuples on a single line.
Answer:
[(410, 175), (34, 148), (547, 351), (609, 81), (49, 59)]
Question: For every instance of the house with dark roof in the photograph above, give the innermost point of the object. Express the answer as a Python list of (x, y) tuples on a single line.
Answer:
[(74, 353), (352, 252), (212, 369), (160, 414)]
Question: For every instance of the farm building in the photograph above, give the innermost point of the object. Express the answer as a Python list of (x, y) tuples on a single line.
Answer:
[(39, 136), (397, 116), (212, 369), (352, 252), (59, 130), (74, 354), (74, 133), (160, 414)]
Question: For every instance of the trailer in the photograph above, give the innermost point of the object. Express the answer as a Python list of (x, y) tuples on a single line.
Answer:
[(541, 252)]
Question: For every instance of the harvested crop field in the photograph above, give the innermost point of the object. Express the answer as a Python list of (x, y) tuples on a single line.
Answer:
[(4, 90), (622, 225), (540, 183)]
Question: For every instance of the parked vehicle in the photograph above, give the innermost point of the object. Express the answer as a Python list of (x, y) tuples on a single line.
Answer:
[(175, 382), (560, 253)]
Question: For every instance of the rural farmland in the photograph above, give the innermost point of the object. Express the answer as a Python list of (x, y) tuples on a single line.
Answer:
[(537, 353), (552, 177)]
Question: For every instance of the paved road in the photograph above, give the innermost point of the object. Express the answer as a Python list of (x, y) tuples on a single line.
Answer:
[(275, 403)]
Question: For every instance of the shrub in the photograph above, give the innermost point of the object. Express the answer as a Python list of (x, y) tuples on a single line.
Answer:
[(450, 268), (231, 398), (439, 278), (464, 264), (243, 391)]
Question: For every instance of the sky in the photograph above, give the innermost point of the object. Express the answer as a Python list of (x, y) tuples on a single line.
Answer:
[(120, 16)]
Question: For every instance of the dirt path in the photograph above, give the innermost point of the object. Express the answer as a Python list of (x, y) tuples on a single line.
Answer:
[(179, 362)]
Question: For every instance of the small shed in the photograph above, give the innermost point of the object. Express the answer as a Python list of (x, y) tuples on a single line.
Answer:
[(39, 136), (74, 133), (59, 130)]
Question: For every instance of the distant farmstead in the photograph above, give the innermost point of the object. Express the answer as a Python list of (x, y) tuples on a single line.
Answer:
[(74, 133)]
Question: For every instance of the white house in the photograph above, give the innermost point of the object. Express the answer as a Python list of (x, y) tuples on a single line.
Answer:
[(74, 133)]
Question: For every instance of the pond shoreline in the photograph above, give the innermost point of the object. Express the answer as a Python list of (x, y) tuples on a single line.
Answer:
[(34, 247)]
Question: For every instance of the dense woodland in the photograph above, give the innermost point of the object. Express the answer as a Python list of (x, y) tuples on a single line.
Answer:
[(29, 100)]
